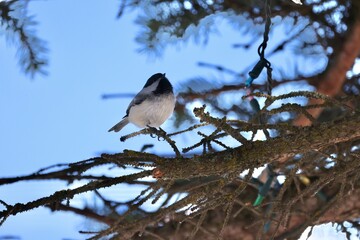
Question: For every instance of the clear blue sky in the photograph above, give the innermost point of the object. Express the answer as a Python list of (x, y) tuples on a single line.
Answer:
[(61, 117)]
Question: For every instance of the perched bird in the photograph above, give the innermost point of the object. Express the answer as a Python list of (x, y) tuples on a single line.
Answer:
[(151, 106)]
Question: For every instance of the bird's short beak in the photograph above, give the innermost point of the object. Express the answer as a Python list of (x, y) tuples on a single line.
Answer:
[(163, 74)]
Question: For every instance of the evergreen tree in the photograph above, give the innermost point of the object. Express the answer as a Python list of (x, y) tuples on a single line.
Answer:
[(212, 193)]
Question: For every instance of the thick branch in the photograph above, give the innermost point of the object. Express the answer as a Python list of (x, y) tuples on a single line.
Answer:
[(258, 153), (332, 81)]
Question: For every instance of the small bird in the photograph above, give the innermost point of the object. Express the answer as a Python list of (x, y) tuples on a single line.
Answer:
[(151, 106)]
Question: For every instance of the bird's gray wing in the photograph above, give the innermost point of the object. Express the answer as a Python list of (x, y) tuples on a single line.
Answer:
[(139, 98), (145, 93)]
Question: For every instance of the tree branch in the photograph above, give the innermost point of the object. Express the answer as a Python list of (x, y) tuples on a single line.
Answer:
[(331, 82)]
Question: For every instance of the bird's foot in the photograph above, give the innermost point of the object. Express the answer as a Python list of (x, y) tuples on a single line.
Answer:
[(159, 133)]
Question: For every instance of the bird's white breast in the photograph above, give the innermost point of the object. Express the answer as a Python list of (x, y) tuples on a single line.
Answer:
[(152, 112)]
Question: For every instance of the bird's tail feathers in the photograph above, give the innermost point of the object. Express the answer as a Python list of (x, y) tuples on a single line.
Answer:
[(119, 125)]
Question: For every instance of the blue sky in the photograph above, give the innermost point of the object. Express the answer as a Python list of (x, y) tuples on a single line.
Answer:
[(61, 117)]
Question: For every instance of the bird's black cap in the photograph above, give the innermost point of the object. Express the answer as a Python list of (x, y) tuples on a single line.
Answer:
[(164, 86), (154, 78)]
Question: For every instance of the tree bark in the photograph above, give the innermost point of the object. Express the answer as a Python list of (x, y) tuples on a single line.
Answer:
[(258, 153), (331, 82)]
